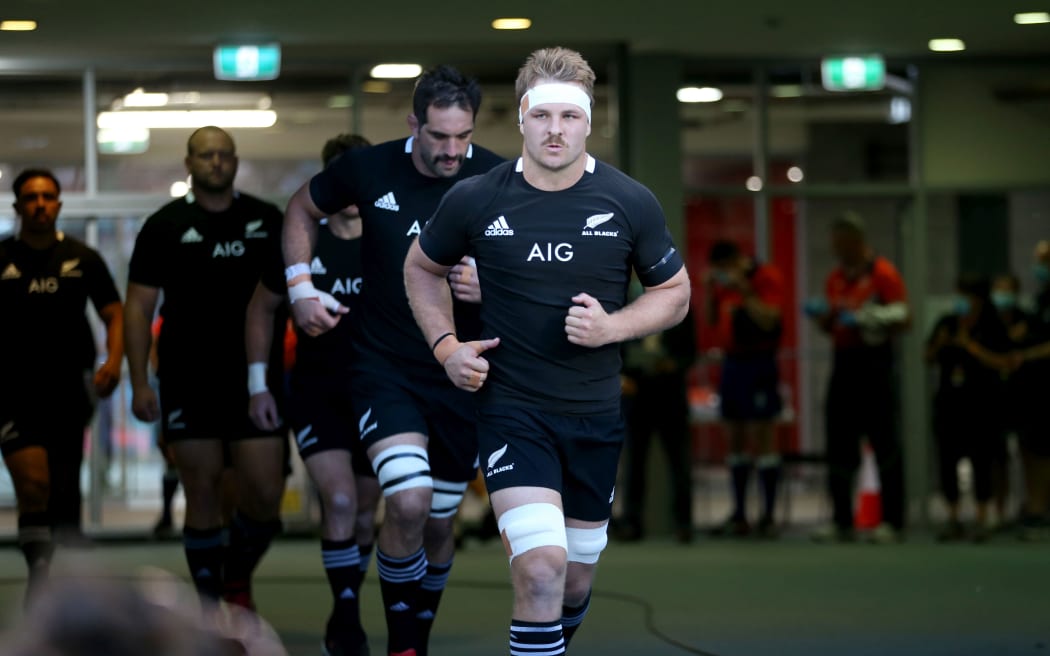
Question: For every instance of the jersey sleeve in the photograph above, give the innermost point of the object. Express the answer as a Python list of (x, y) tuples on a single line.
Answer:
[(446, 236), (101, 288), (149, 259), (339, 185), (888, 283), (655, 258)]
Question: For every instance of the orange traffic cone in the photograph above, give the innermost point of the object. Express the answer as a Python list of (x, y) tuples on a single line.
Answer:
[(869, 497)]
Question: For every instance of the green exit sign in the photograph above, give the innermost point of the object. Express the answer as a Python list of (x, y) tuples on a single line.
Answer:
[(863, 73), (247, 62)]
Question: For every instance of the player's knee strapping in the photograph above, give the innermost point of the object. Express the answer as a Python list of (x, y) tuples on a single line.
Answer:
[(446, 499), (586, 544), (531, 526), (402, 467)]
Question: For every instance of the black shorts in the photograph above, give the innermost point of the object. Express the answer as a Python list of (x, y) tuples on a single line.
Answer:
[(576, 456), (749, 389), (216, 409), (322, 418), (58, 424), (388, 401)]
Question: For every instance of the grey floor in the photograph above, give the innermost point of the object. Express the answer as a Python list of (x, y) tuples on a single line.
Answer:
[(737, 598)]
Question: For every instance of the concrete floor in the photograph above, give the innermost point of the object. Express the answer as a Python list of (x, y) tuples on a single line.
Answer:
[(660, 598)]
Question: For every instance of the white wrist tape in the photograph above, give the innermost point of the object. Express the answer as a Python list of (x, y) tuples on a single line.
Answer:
[(296, 269), (554, 92), (257, 378), (305, 290)]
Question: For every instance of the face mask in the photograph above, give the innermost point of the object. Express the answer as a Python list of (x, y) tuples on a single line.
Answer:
[(1004, 300), (1042, 272), (962, 306)]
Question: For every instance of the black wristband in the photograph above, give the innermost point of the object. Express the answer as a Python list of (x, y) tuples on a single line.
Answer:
[(439, 340)]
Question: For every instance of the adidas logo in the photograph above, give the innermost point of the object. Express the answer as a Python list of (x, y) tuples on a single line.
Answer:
[(400, 607), (347, 594), (11, 272), (388, 202), (425, 615), (499, 228), (8, 432), (363, 427), (191, 236), (317, 267)]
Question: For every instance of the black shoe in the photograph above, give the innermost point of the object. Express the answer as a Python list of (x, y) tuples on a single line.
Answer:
[(767, 529), (734, 527), (952, 532)]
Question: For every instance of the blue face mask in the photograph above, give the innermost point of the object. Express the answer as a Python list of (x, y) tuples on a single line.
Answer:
[(962, 306), (1004, 300), (1042, 272)]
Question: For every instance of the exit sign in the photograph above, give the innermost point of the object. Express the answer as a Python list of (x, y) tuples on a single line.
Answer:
[(863, 73), (247, 62)]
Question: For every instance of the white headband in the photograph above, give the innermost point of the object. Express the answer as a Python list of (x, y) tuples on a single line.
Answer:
[(554, 92)]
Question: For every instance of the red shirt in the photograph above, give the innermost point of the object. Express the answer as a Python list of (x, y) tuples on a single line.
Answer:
[(737, 336), (880, 283)]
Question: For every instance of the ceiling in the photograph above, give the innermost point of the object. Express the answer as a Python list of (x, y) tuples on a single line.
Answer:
[(328, 34)]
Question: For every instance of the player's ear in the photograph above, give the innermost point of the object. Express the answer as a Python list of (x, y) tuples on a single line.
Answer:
[(521, 127), (413, 125)]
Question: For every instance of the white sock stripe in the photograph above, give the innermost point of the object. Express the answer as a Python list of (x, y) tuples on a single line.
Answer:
[(420, 480), (398, 576), (334, 561), (435, 583), (534, 629), (518, 651), (531, 646)]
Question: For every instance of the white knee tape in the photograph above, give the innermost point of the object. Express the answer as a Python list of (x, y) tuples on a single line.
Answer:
[(402, 467), (586, 544), (446, 498), (533, 525)]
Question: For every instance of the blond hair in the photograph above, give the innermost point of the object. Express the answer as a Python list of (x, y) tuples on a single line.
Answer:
[(558, 64)]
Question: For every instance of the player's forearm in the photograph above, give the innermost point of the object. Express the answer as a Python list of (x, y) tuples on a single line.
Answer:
[(657, 309), (429, 297), (258, 324), (137, 340), (299, 233), (113, 316)]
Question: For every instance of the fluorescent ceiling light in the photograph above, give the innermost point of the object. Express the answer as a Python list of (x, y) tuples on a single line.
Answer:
[(340, 102), (795, 174), (229, 118), (511, 24), (699, 94), (947, 45), (396, 71), (754, 183), (179, 188), (139, 98), (17, 25), (1032, 18)]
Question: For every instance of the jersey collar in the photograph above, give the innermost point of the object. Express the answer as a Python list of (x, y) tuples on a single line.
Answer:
[(519, 166)]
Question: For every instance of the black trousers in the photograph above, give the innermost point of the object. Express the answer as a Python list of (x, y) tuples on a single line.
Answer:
[(965, 428), (660, 408), (861, 403)]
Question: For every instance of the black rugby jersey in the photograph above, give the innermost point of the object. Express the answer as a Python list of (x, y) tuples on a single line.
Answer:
[(336, 269), (207, 265), (535, 250), (44, 333), (395, 200)]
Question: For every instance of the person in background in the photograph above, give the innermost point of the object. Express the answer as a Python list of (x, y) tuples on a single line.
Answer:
[(48, 353), (969, 346), (864, 307), (745, 303), (1033, 362), (655, 402)]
